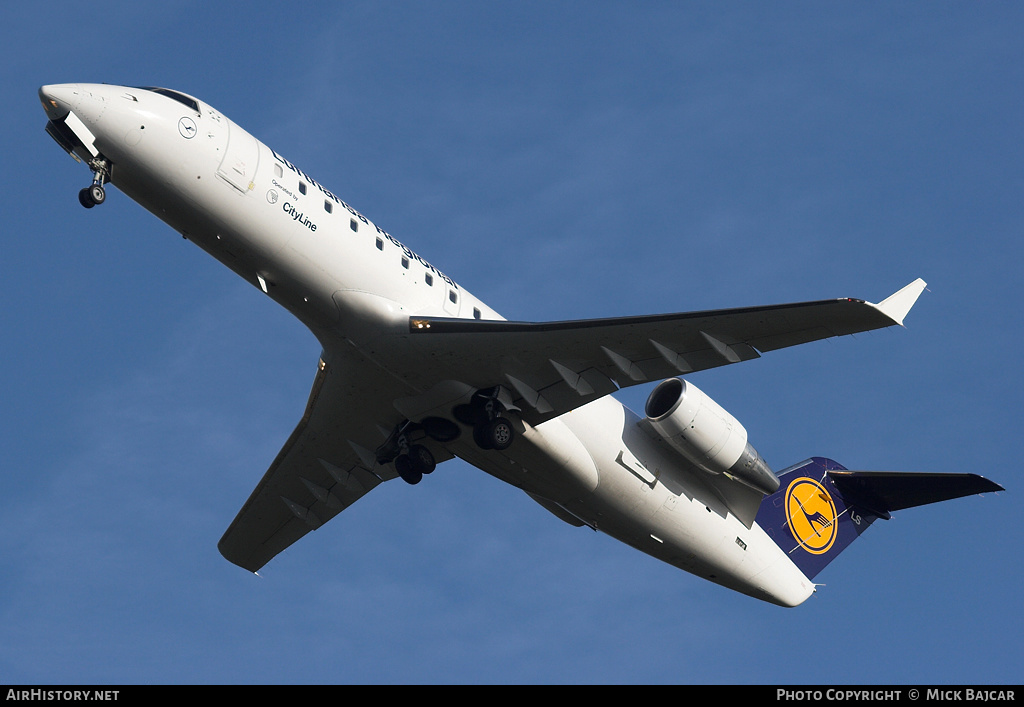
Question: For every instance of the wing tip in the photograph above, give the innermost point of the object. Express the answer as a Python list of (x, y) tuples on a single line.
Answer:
[(897, 305), (231, 553)]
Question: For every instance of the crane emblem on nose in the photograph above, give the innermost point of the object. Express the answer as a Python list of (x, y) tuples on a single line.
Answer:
[(187, 128)]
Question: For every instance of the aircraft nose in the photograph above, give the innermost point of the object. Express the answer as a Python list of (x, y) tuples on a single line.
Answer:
[(59, 99)]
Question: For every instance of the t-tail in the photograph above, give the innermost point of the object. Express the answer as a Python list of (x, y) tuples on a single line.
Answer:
[(821, 507)]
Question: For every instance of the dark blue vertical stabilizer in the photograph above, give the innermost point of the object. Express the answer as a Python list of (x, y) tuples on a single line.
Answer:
[(808, 517), (821, 507)]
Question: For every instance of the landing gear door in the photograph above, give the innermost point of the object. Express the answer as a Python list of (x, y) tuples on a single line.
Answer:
[(242, 156)]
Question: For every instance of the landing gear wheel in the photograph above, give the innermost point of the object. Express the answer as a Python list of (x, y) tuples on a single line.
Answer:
[(422, 459), (497, 434), (405, 467), (97, 194), (84, 199)]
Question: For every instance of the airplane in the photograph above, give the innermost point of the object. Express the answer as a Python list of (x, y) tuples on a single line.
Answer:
[(415, 370)]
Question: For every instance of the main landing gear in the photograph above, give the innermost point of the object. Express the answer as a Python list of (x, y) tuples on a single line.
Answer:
[(411, 465), (95, 194), (491, 430), (412, 460), (485, 413)]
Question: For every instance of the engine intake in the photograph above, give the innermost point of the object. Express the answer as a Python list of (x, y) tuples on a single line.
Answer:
[(701, 430)]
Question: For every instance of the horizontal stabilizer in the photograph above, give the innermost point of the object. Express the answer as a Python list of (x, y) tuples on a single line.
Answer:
[(888, 491)]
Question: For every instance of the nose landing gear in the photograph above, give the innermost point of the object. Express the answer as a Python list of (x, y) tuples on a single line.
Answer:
[(95, 194)]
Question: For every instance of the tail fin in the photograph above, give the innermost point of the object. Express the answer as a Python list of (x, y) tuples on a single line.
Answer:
[(821, 507)]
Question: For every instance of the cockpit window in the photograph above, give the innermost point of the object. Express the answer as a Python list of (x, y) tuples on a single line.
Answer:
[(175, 96)]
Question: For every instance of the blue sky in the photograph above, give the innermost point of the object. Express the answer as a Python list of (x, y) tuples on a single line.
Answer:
[(559, 160)]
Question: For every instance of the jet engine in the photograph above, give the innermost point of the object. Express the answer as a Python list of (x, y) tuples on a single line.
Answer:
[(700, 429)]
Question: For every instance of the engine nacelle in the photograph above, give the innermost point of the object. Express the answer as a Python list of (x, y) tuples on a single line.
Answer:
[(705, 434)]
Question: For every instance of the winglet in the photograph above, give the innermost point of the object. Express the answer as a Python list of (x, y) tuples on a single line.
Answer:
[(896, 306)]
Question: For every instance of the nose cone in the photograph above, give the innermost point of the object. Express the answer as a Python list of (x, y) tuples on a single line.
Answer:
[(59, 99)]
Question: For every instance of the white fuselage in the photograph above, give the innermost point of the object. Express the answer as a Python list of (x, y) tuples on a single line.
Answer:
[(355, 287)]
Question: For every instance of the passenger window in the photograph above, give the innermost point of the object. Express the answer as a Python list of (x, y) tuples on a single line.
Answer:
[(405, 262), (453, 297), (328, 207), (429, 279), (354, 225), (476, 313), (302, 187), (380, 244)]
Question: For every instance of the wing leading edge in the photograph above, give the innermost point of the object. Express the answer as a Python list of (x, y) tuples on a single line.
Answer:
[(555, 367)]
